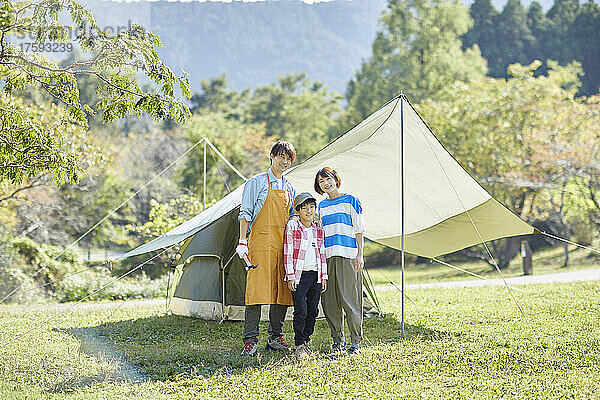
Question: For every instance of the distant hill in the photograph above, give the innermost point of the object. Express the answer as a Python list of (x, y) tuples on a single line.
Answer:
[(253, 43)]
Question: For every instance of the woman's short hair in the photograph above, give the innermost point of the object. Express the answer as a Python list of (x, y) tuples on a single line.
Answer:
[(326, 172), (283, 147)]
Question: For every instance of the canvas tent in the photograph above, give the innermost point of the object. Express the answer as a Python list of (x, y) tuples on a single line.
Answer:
[(446, 209)]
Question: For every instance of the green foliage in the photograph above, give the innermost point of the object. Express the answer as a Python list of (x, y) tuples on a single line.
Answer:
[(39, 138), (528, 140), (23, 258), (245, 145), (294, 108), (217, 98), (91, 200), (115, 60), (297, 110), (84, 286), (567, 32), (517, 41), (418, 51), (36, 139), (165, 216), (586, 42)]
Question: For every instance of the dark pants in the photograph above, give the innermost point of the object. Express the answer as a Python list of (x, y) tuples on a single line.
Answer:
[(306, 300), (252, 318)]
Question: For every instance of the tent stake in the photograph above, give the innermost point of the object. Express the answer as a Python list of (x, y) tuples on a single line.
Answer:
[(402, 196)]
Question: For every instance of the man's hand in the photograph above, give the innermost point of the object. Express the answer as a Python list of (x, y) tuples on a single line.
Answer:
[(323, 285), (359, 263), (242, 248), (292, 285)]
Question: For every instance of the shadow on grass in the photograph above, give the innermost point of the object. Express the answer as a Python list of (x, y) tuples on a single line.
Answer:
[(169, 347), (387, 329)]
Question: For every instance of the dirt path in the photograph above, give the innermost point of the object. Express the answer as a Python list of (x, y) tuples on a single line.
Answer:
[(572, 276)]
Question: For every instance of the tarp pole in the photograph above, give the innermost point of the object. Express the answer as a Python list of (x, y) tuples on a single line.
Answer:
[(204, 186), (402, 198)]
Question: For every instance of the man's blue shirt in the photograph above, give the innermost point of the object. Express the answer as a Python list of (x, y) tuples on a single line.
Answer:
[(256, 191)]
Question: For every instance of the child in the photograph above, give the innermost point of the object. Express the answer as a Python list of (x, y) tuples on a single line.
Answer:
[(342, 221), (305, 268)]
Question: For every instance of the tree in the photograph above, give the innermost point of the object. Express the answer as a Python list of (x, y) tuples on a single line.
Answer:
[(515, 43), (539, 25), (216, 97), (40, 138), (297, 110), (559, 43), (585, 34), (245, 145), (292, 108), (417, 51), (484, 33), (113, 60), (527, 139)]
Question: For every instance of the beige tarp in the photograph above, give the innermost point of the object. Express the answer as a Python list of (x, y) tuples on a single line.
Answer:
[(441, 197)]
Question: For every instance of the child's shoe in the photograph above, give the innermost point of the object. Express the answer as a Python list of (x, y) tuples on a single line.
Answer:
[(277, 344), (302, 351), (249, 349)]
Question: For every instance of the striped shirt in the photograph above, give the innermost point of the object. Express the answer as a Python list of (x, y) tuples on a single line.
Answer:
[(342, 219)]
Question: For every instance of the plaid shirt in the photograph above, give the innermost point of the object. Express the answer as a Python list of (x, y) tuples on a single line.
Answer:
[(295, 244)]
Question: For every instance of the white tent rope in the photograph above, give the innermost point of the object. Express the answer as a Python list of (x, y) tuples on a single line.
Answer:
[(569, 242), (103, 219), (50, 319), (393, 284), (225, 160), (485, 246), (470, 273)]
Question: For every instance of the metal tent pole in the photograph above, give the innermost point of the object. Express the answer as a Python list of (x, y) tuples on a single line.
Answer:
[(204, 186), (402, 197)]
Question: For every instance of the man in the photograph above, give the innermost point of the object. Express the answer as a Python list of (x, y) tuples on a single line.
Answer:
[(266, 207)]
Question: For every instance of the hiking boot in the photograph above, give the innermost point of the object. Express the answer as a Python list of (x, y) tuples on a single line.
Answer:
[(354, 350), (337, 347), (277, 344), (302, 351), (249, 349)]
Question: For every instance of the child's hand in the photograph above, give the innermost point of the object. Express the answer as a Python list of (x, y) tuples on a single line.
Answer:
[(292, 285), (323, 285), (359, 263)]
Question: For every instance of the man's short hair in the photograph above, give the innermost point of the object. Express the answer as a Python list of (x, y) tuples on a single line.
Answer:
[(283, 147), (326, 172)]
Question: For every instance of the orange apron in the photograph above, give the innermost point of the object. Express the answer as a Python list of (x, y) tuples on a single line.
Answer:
[(265, 285)]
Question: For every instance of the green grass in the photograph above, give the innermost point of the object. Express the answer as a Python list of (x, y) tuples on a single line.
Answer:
[(460, 344), (544, 262)]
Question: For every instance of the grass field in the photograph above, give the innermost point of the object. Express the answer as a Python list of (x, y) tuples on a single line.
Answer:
[(466, 343), (544, 262)]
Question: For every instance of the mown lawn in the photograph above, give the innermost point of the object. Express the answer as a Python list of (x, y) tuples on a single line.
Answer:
[(460, 344), (545, 261)]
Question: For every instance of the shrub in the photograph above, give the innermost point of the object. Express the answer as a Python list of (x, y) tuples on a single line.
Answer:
[(75, 288)]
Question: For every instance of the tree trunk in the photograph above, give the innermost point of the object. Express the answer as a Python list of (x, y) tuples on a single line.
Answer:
[(566, 246)]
